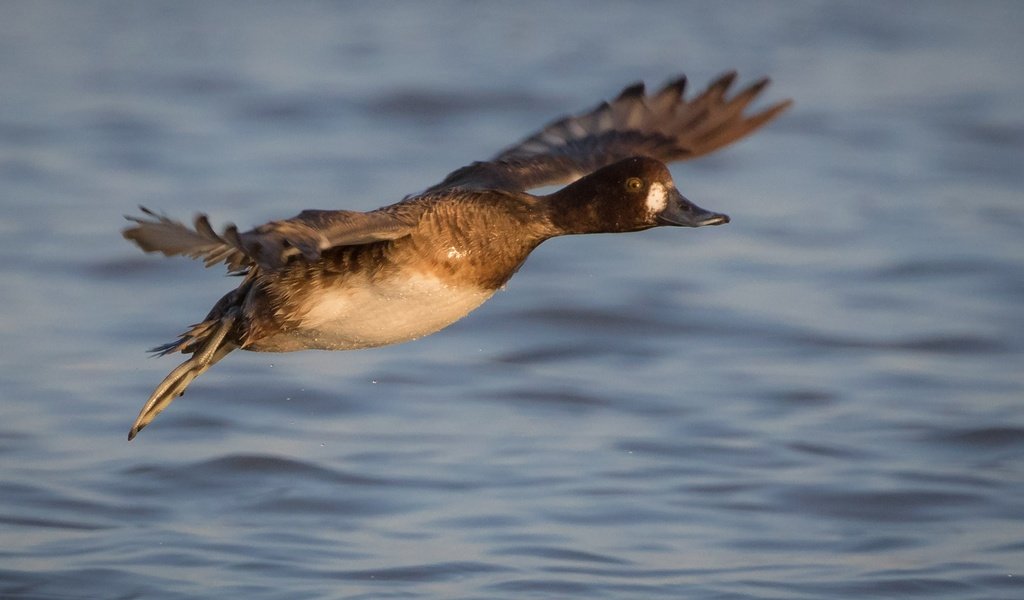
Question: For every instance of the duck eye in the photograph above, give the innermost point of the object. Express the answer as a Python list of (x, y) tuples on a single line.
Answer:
[(634, 184)]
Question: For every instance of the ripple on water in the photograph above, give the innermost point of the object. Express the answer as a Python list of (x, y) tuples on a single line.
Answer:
[(991, 437), (881, 506), (53, 507), (551, 553), (421, 573), (236, 469)]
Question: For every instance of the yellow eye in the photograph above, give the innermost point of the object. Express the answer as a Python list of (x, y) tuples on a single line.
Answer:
[(634, 184)]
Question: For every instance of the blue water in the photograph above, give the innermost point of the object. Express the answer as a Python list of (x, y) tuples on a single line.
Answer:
[(824, 398)]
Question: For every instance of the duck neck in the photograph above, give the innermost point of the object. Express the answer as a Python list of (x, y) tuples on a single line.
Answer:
[(577, 209)]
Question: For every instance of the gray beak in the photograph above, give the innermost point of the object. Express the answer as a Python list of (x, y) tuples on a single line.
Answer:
[(680, 212)]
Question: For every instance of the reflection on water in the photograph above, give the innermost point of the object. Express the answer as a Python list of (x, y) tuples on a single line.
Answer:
[(822, 399)]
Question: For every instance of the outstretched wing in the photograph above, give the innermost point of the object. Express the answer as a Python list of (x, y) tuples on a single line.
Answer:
[(663, 125), (313, 231), (271, 245), (159, 233)]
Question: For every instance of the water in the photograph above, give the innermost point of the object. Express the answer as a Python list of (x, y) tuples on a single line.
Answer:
[(821, 399)]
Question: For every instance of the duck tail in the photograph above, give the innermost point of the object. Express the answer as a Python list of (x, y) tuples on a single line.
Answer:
[(208, 342)]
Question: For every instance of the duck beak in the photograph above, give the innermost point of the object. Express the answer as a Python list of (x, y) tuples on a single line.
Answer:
[(680, 212)]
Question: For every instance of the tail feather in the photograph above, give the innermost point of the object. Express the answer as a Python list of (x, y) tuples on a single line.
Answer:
[(188, 341), (219, 339)]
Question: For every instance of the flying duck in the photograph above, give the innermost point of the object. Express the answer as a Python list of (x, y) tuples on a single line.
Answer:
[(342, 280)]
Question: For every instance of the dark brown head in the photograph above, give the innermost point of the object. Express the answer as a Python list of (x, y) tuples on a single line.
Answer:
[(631, 195)]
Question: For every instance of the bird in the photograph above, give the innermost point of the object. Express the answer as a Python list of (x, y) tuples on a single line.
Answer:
[(345, 280)]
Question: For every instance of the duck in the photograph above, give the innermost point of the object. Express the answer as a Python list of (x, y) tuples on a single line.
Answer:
[(346, 280)]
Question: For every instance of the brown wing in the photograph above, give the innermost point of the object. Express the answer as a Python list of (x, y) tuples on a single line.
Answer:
[(271, 245), (663, 125), (159, 233), (313, 231)]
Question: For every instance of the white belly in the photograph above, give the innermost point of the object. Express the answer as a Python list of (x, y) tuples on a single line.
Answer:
[(362, 316)]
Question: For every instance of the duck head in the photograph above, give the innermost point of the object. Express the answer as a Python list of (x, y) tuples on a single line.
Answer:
[(631, 195)]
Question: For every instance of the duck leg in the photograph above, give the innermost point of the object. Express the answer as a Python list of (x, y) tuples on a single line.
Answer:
[(216, 347)]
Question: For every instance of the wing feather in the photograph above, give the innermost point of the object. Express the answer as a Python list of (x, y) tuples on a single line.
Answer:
[(663, 125), (272, 245)]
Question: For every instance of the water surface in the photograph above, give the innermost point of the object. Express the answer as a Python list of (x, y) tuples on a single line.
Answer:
[(822, 399)]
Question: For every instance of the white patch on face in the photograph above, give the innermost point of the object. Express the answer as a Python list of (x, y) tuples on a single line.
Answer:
[(657, 198), (455, 254)]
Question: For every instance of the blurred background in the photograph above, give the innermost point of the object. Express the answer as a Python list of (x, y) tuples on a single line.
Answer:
[(821, 399)]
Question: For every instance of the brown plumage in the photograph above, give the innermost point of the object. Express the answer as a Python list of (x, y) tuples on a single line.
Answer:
[(340, 280)]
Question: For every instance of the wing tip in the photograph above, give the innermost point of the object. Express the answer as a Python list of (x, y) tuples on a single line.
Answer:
[(724, 81), (675, 86), (631, 91)]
